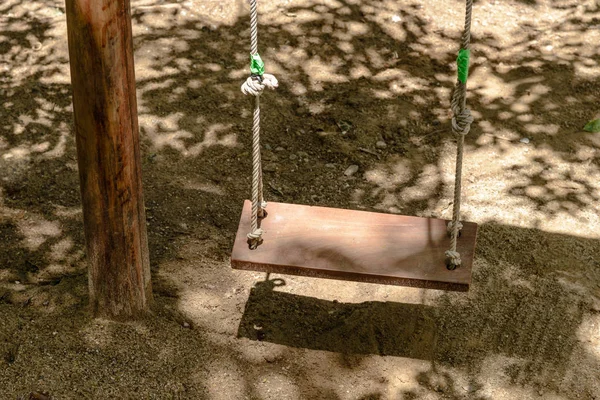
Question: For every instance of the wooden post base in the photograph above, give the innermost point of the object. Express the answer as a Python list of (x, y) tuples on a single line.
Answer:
[(108, 153)]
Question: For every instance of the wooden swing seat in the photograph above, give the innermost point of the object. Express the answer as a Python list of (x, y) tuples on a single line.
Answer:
[(355, 246)]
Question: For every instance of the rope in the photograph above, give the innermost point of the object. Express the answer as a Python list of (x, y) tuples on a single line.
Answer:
[(461, 125), (254, 86)]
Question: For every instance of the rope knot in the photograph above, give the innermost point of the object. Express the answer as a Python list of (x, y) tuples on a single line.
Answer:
[(256, 84), (254, 238), (450, 227), (461, 122), (452, 259), (261, 209)]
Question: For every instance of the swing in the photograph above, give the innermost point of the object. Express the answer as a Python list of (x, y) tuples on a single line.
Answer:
[(355, 245)]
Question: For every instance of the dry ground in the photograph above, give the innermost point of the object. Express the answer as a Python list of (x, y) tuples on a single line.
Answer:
[(352, 73)]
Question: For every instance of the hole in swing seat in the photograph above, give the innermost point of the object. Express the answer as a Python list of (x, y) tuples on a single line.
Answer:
[(355, 246), (459, 234)]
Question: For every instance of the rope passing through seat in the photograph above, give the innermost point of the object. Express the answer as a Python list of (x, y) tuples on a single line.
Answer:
[(461, 125), (255, 85)]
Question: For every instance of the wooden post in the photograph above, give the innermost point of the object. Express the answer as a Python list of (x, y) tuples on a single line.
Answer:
[(106, 128)]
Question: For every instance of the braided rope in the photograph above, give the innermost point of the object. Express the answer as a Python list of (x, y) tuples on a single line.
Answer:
[(254, 86), (461, 125)]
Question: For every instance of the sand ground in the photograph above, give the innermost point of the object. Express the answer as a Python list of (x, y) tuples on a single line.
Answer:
[(352, 73)]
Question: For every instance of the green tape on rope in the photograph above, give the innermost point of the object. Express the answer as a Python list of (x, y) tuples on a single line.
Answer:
[(463, 64), (257, 66)]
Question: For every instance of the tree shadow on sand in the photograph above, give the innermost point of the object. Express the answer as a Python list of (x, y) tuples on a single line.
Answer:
[(339, 63)]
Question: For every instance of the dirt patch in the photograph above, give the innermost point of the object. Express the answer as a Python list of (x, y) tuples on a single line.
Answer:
[(361, 83)]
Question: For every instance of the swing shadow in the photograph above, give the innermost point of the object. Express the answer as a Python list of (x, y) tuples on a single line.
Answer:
[(374, 327), (382, 328), (552, 308)]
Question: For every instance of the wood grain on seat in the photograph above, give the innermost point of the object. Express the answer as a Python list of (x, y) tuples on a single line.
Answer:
[(356, 246)]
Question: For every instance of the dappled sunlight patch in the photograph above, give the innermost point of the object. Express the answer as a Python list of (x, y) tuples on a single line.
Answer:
[(439, 381), (401, 81), (154, 58), (54, 270), (533, 94), (317, 107), (60, 250), (489, 86), (68, 212), (336, 290), (375, 58), (184, 64), (355, 28), (382, 94), (292, 29), (525, 117), (60, 75), (496, 383), (357, 196), (390, 202), (360, 71), (157, 17), (362, 368), (589, 334), (40, 147), (346, 47), (498, 137), (7, 275), (154, 85), (537, 192), (415, 115), (504, 115), (586, 153), (395, 31), (17, 153), (298, 89), (536, 189), (205, 306), (435, 45), (584, 70), (320, 71), (570, 277), (388, 68), (304, 16), (289, 56), (172, 139), (60, 147), (166, 132), (390, 177), (285, 386), (444, 95), (213, 137), (258, 355), (97, 334), (425, 185), (226, 379), (16, 286), (571, 219), (211, 67), (36, 230), (207, 187), (548, 129)]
